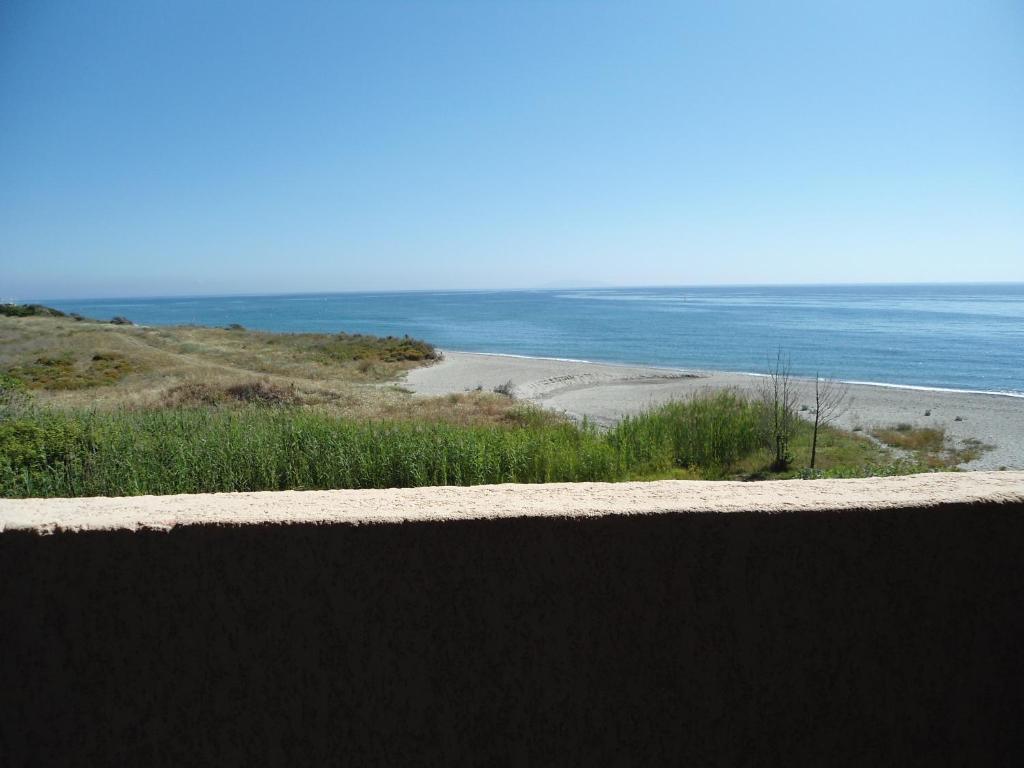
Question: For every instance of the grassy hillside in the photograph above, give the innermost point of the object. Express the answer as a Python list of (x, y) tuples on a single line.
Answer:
[(72, 364)]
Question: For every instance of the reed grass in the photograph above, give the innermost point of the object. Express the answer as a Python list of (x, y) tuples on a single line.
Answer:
[(48, 452), (257, 448), (711, 433)]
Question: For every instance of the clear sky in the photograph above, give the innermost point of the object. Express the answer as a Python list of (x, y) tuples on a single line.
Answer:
[(161, 148)]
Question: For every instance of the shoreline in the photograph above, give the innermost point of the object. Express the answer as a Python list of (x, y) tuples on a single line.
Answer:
[(603, 393), (718, 371)]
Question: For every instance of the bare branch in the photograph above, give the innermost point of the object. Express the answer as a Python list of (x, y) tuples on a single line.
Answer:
[(779, 394), (830, 401)]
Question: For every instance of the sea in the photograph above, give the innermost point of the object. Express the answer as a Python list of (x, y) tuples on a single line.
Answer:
[(960, 337)]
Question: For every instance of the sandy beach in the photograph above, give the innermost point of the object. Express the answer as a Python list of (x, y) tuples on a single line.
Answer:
[(604, 393)]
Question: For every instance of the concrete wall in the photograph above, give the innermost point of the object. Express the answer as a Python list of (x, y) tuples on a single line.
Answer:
[(883, 636)]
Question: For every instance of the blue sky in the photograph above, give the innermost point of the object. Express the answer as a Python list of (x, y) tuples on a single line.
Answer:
[(160, 148)]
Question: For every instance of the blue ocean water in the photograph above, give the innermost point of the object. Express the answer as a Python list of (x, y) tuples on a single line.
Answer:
[(967, 337)]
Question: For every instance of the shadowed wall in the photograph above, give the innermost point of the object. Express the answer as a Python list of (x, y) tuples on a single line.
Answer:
[(882, 637)]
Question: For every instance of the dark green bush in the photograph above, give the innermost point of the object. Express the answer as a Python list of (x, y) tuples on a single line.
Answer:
[(29, 310)]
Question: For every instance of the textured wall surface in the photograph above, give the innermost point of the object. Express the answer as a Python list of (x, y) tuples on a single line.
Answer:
[(887, 636)]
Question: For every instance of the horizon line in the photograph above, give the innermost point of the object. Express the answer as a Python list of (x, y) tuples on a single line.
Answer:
[(539, 289)]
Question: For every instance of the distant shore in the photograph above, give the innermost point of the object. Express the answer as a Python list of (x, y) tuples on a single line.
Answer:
[(604, 393)]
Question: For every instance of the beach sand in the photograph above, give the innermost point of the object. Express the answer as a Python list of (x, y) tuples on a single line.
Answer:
[(604, 393)]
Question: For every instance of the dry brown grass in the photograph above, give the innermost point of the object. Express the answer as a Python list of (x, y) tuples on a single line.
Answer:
[(157, 367), (467, 408), (195, 393), (909, 438), (930, 445)]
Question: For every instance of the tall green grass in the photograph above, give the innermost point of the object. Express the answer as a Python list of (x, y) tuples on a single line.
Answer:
[(711, 433), (195, 450), (250, 449)]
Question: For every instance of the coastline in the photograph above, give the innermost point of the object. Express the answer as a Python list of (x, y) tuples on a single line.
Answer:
[(709, 372), (603, 393)]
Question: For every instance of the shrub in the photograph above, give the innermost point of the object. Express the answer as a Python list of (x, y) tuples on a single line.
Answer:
[(39, 443), (345, 347), (194, 393), (263, 393), (13, 393), (9, 383), (63, 372), (29, 310)]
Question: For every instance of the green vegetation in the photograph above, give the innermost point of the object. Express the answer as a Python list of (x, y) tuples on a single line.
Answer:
[(29, 310), (9, 384), (345, 347), (347, 376), (708, 435), (258, 447), (92, 408), (39, 310), (72, 364), (63, 372)]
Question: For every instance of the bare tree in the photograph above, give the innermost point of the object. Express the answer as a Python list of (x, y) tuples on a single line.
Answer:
[(830, 400), (779, 395)]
